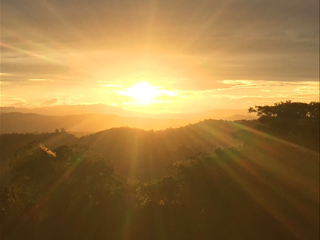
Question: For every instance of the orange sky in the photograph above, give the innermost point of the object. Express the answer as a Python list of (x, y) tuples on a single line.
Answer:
[(192, 55)]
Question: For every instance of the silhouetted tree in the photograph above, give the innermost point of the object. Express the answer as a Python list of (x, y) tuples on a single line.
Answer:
[(288, 110), (297, 121)]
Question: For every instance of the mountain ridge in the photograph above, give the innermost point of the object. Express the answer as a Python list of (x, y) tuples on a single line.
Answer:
[(63, 110), (87, 123)]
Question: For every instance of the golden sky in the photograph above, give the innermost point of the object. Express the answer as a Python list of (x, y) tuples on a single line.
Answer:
[(159, 56)]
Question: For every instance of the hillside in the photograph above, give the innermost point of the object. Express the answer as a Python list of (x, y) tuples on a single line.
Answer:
[(10, 143), (256, 187), (134, 150)]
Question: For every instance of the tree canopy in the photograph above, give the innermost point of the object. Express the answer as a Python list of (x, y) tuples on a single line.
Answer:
[(288, 110), (50, 196), (296, 121)]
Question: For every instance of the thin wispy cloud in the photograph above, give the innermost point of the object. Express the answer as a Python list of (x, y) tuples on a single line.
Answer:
[(40, 80), (50, 101)]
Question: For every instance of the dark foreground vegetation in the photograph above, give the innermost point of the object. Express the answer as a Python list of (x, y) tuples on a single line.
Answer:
[(241, 180)]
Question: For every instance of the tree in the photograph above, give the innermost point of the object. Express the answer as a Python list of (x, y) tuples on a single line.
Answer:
[(288, 110), (296, 121), (71, 196)]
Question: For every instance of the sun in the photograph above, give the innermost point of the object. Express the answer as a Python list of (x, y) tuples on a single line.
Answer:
[(143, 92)]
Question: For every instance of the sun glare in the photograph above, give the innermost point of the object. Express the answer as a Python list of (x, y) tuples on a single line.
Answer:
[(143, 92)]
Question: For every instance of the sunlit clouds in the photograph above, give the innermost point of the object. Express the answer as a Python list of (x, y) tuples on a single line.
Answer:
[(145, 97), (195, 55)]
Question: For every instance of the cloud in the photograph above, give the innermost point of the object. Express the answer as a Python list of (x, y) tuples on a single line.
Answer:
[(237, 84), (192, 25), (247, 89), (50, 101), (284, 86), (10, 101), (201, 48), (40, 80), (4, 74)]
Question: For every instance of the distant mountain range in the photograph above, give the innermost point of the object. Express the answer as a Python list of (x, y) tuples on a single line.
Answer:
[(88, 123), (237, 117), (63, 110), (83, 119)]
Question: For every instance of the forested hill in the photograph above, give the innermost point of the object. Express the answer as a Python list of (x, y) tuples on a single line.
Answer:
[(211, 180), (150, 152), (10, 143), (146, 155)]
